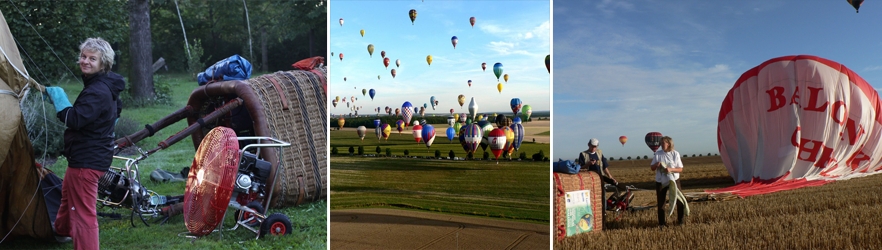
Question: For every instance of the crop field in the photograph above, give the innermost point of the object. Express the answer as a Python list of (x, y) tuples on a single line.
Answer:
[(838, 215)]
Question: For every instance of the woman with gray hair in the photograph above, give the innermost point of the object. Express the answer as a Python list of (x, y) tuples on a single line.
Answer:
[(88, 141)]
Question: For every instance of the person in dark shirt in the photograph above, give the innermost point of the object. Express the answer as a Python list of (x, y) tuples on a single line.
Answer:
[(593, 160)]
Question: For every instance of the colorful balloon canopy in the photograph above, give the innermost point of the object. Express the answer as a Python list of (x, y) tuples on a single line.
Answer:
[(361, 132), (499, 87), (412, 14), (527, 110), (387, 130), (461, 100), (471, 21), (471, 137), (856, 4), (428, 134), (505, 77), (383, 54), (399, 125), (623, 139), (470, 83), (797, 121), (377, 123), (372, 93), (653, 140), (364, 92), (341, 23), (515, 106), (370, 49), (407, 111), (497, 70), (548, 63), (451, 111), (362, 33), (393, 73), (340, 122), (454, 41), (496, 139), (433, 102), (429, 59), (386, 61), (518, 130), (451, 132), (417, 132), (341, 57)]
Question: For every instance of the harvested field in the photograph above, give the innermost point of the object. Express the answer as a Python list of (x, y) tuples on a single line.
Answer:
[(839, 215)]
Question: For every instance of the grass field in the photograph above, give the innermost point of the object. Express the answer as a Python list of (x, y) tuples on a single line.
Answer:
[(839, 215), (516, 190), (309, 221)]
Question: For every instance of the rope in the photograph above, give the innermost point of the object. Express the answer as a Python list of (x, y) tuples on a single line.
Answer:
[(41, 37)]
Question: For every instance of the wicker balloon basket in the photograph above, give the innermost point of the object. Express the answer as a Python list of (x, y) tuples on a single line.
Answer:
[(578, 206)]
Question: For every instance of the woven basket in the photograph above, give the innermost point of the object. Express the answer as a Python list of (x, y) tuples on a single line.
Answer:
[(564, 183), (295, 109)]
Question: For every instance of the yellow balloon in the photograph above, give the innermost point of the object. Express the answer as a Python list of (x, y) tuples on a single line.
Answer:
[(371, 49), (386, 131), (429, 59), (362, 33), (461, 99), (505, 77), (338, 98), (499, 87), (340, 122), (456, 117)]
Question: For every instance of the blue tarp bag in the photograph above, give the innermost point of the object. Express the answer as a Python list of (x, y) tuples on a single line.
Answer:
[(566, 166), (232, 68)]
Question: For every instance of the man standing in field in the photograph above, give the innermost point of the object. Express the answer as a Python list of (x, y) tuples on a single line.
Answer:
[(593, 160)]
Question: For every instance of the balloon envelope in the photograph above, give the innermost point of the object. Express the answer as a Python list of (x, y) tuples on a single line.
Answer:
[(433, 102), (428, 134), (407, 111), (450, 120), (383, 54), (387, 130), (515, 105), (361, 131), (341, 56), (412, 14), (417, 132), (483, 66), (429, 59), (496, 140), (471, 21), (518, 130), (370, 49), (623, 139), (800, 119), (393, 73), (340, 122), (470, 83), (548, 63), (364, 92), (471, 137), (399, 125), (499, 87), (386, 61), (362, 33), (397, 63), (527, 110), (653, 140), (341, 23), (473, 108), (497, 70), (376, 123), (451, 132), (454, 41), (505, 77), (372, 93)]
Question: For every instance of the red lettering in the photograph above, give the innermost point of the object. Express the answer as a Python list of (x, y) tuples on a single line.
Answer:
[(776, 98), (825, 157), (857, 159), (794, 136), (853, 130), (813, 100), (812, 151), (794, 99), (837, 106)]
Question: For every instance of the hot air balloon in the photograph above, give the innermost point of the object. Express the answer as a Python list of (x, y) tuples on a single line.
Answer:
[(379, 132), (450, 120), (362, 33), (505, 77), (451, 111), (340, 122), (415, 122), (484, 66), (481, 117), (509, 138), (341, 22), (363, 92), (516, 120), (527, 110), (393, 73), (377, 123), (518, 130), (341, 57), (407, 111), (454, 41), (461, 100), (344, 99), (378, 77), (548, 63), (412, 13), (856, 4), (334, 102), (428, 134), (468, 120), (473, 108), (337, 98), (361, 132), (499, 120), (497, 70), (387, 130), (653, 140), (515, 106), (398, 112), (496, 139), (417, 132), (471, 137), (472, 21), (623, 139), (433, 102), (386, 62), (470, 83), (499, 87), (371, 49), (422, 111), (429, 59), (451, 132), (399, 125), (372, 93), (383, 54), (810, 121)]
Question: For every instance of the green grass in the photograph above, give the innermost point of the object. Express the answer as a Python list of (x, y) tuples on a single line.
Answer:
[(309, 221), (545, 133), (514, 190)]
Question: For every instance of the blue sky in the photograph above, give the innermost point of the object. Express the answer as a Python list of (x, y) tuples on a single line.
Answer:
[(632, 67), (515, 33)]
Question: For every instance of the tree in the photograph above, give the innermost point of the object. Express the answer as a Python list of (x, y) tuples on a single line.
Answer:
[(378, 150), (406, 152), (334, 151), (388, 152), (141, 50), (351, 150), (451, 154), (437, 153), (360, 150)]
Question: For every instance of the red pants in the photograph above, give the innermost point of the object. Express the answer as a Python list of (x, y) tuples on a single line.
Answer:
[(77, 217)]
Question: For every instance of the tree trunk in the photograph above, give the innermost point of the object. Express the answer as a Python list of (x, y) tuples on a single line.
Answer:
[(140, 48), (264, 58)]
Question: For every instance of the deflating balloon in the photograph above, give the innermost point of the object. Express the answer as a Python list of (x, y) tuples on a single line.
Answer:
[(451, 132), (623, 139), (361, 132), (428, 134), (372, 92), (473, 108), (429, 59), (454, 41), (496, 139), (371, 49), (497, 70), (653, 140), (548, 63), (412, 13), (407, 111), (471, 21), (417, 132)]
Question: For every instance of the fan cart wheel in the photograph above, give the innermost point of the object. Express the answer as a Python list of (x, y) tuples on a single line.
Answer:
[(247, 215), (276, 224)]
